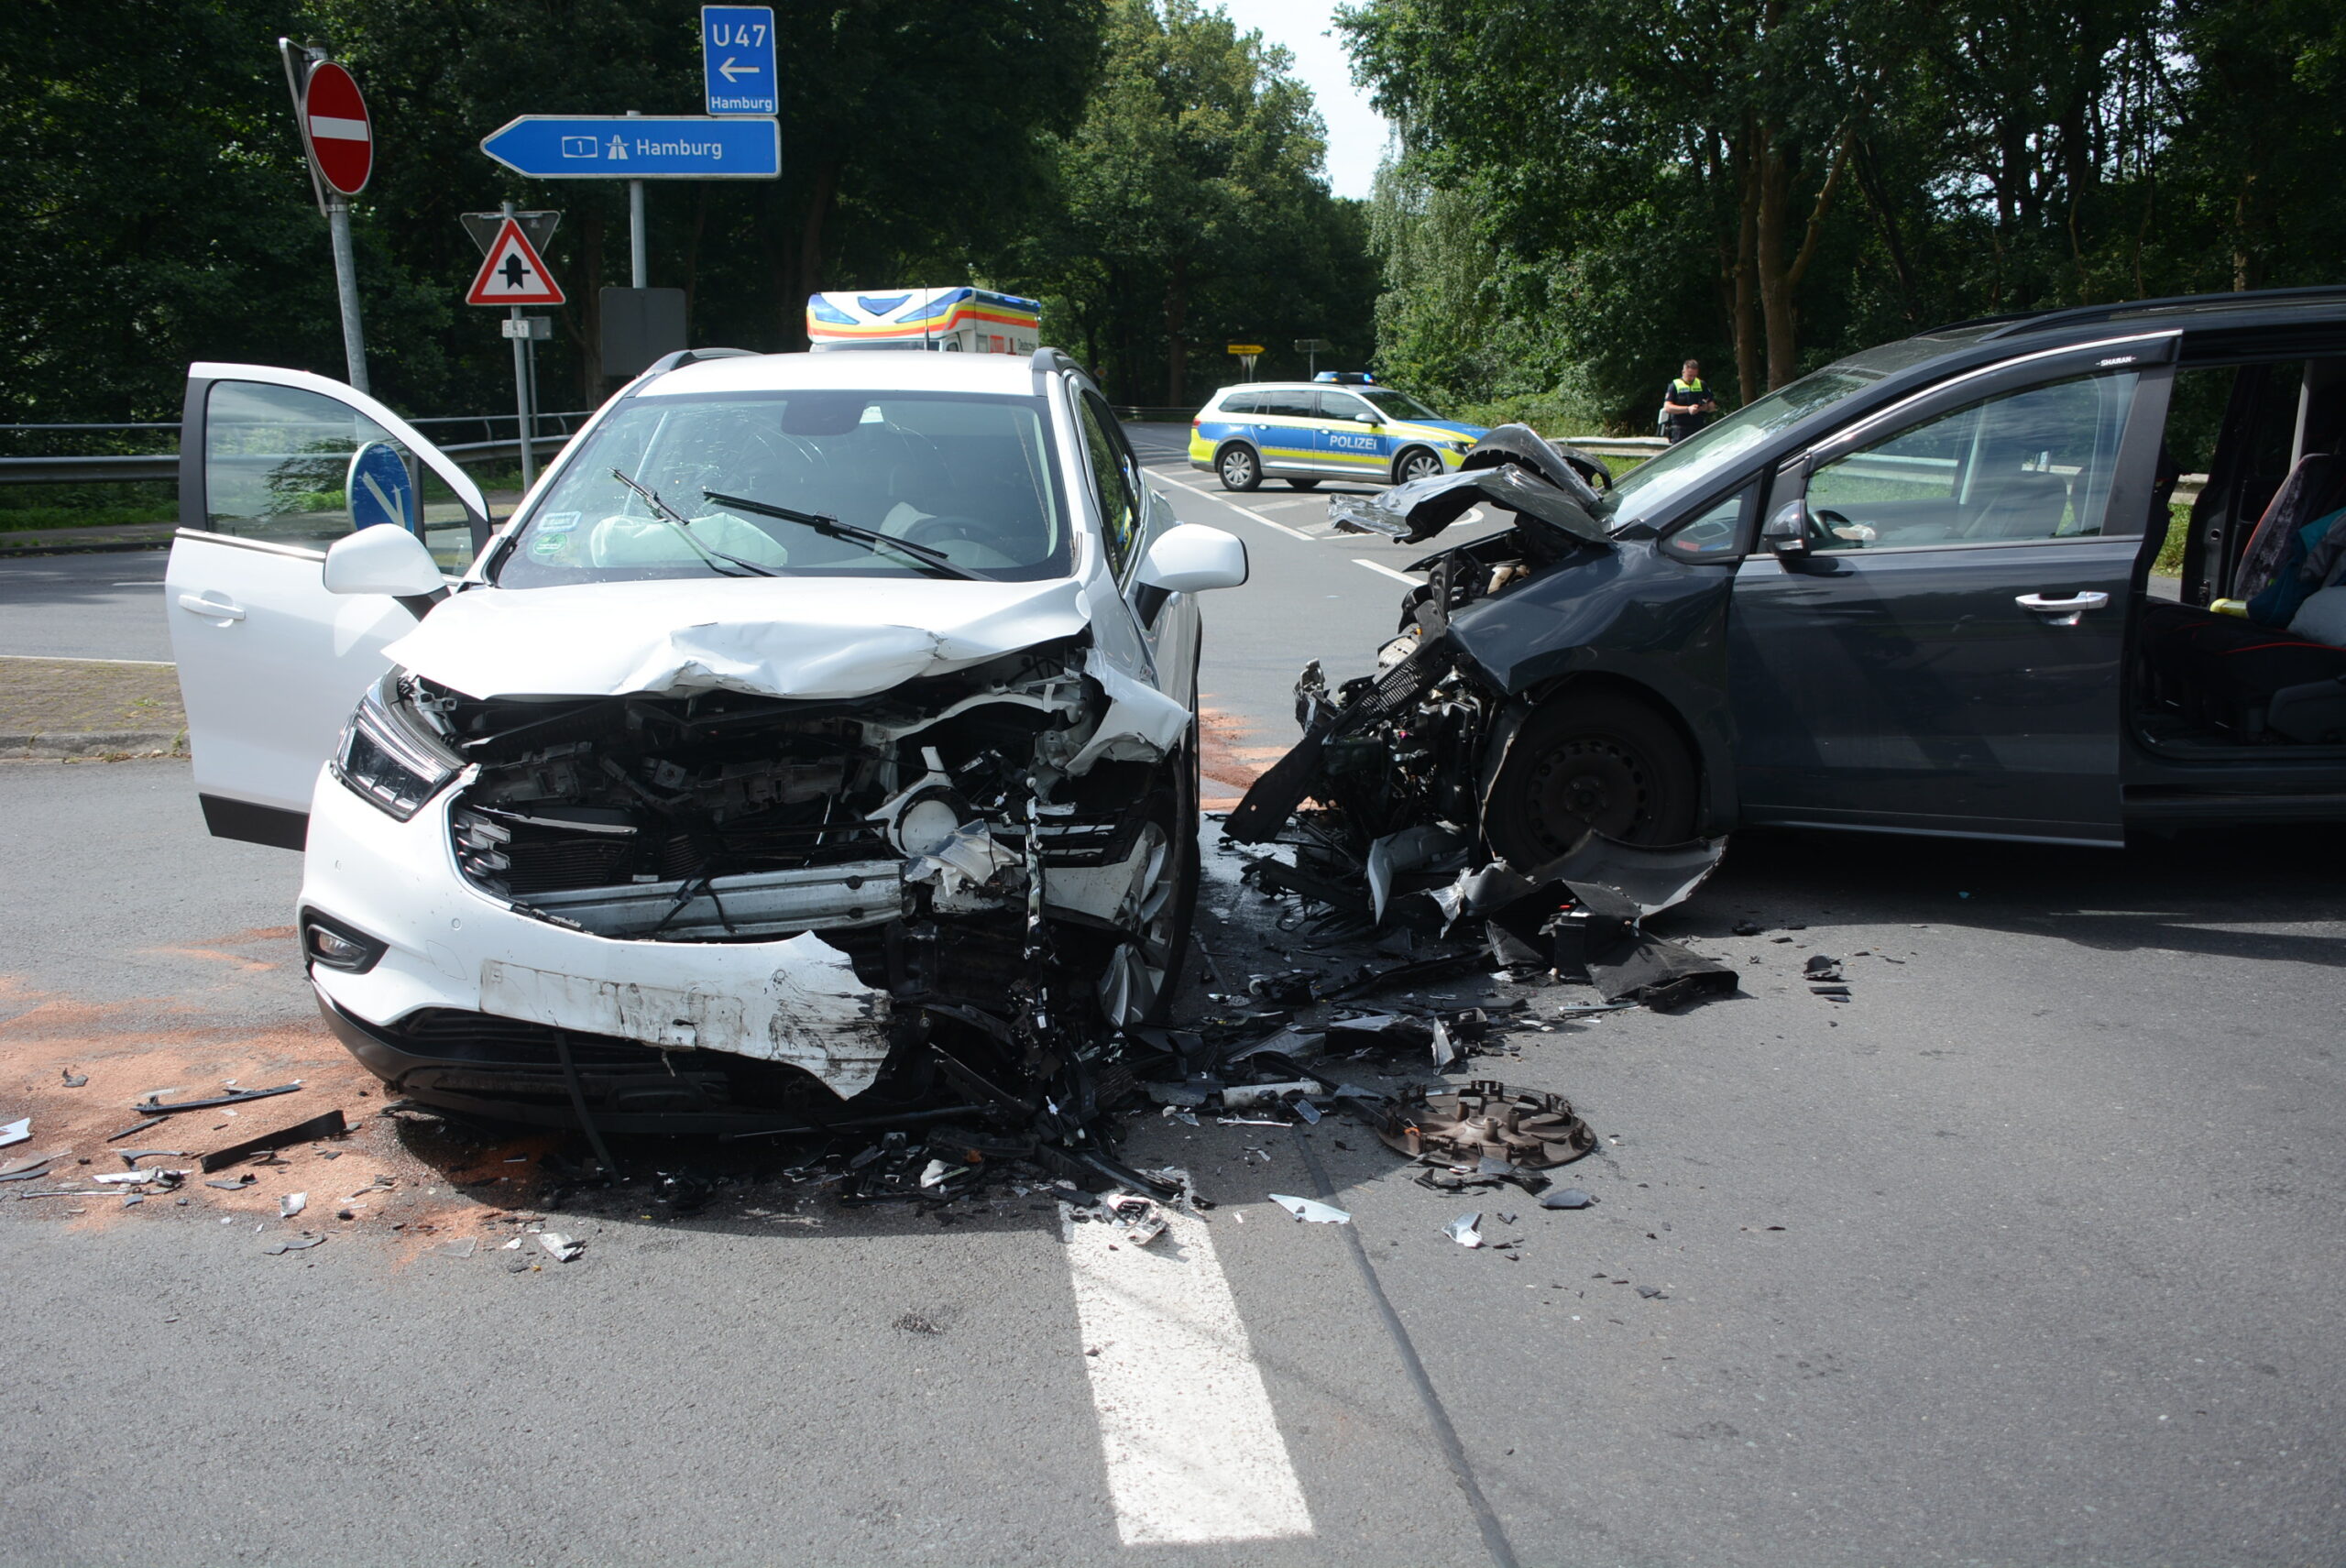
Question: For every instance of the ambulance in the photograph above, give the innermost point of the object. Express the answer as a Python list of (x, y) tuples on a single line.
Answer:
[(946, 320)]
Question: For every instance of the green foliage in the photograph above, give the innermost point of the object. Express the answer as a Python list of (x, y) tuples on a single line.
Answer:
[(1598, 188), (1193, 210)]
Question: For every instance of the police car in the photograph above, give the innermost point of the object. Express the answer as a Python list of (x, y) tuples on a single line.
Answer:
[(1304, 432)]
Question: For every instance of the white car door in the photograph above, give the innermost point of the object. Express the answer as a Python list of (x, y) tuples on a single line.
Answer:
[(271, 663)]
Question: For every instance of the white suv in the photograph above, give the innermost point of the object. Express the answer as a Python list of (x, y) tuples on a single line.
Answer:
[(820, 729)]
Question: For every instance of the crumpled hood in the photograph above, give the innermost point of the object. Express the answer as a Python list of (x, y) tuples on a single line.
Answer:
[(795, 637)]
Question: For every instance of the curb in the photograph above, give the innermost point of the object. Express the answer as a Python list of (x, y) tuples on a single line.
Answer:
[(94, 744)]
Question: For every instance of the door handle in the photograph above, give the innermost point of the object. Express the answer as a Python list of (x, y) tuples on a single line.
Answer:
[(2063, 612), (211, 608)]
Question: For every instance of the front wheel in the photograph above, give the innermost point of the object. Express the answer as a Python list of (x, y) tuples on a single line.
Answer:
[(1416, 463), (1606, 763), (1144, 974), (1239, 469)]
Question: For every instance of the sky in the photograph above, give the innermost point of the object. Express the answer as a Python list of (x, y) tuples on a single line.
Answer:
[(1357, 133)]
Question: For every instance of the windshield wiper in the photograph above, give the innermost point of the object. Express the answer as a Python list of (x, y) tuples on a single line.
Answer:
[(823, 522), (665, 513)]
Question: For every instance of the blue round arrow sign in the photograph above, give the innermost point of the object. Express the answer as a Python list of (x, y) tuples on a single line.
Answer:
[(381, 489)]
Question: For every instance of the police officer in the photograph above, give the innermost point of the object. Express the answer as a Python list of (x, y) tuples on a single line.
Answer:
[(1688, 406)]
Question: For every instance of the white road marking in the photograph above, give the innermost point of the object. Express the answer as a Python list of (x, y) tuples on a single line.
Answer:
[(1397, 577), (1249, 516), (1192, 1446)]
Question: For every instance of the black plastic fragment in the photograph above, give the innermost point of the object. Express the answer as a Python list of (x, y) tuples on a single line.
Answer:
[(329, 1126), (157, 1108)]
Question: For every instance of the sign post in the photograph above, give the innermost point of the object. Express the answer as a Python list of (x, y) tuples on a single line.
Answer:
[(513, 274), (338, 138), (1315, 348), (1247, 353)]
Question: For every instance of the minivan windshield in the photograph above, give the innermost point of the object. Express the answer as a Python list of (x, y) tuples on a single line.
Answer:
[(661, 487), (1649, 492)]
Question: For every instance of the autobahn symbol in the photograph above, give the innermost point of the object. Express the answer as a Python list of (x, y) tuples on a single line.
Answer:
[(512, 273)]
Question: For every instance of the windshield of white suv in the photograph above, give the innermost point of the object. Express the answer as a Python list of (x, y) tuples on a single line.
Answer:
[(967, 483), (1395, 405)]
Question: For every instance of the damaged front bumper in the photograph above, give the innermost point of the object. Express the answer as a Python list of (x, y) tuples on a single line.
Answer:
[(749, 911)]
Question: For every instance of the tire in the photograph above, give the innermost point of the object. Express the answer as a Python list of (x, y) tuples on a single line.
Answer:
[(1239, 467), (1144, 977), (1301, 484), (1607, 762), (1417, 463)]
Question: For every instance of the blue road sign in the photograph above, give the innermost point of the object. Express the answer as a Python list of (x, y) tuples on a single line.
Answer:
[(379, 490), (637, 146), (737, 60)]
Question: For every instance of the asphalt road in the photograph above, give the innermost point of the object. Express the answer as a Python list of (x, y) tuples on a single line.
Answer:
[(2059, 1194), (101, 605)]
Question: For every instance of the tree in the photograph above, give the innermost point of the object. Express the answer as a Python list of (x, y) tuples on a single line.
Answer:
[(1193, 201)]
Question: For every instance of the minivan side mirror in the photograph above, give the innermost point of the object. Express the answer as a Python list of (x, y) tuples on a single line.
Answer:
[(384, 559), (1786, 531), (1190, 558)]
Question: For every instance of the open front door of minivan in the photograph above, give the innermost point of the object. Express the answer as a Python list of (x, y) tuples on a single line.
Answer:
[(274, 466)]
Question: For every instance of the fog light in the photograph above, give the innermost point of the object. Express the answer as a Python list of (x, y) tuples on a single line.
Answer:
[(337, 947)]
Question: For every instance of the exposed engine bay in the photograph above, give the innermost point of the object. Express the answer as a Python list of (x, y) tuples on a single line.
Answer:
[(999, 884), (1438, 773), (1409, 745)]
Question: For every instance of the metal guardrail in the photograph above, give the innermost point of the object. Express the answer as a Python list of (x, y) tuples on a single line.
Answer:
[(163, 467)]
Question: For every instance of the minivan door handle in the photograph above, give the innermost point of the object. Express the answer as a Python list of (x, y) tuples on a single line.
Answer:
[(211, 608), (2063, 611)]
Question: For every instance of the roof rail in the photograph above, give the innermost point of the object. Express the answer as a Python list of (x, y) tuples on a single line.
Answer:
[(683, 356), (2077, 315)]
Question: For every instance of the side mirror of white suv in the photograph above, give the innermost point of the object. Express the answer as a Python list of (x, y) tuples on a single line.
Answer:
[(384, 560), (1190, 558)]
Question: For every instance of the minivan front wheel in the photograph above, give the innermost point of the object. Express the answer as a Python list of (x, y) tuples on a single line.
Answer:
[(1239, 468), (1604, 761)]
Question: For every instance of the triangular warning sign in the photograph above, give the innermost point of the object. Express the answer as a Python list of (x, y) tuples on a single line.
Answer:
[(512, 273)]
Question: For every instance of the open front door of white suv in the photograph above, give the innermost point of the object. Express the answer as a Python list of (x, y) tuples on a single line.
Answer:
[(274, 466)]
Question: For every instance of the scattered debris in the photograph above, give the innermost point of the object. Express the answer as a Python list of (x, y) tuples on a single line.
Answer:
[(329, 1125), (1465, 1230), (1487, 1119), (1311, 1209), (1651, 1292), (29, 1170), (914, 1323), (1565, 1198), (462, 1246), (73, 1079), (134, 1127), (294, 1244), (1823, 968), (234, 1184), (292, 1203), (16, 1131), (559, 1248)]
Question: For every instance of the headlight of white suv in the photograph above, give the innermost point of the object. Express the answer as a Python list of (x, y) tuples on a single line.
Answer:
[(387, 757)]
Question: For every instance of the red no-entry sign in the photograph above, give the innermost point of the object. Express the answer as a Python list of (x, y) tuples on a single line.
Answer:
[(335, 124)]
